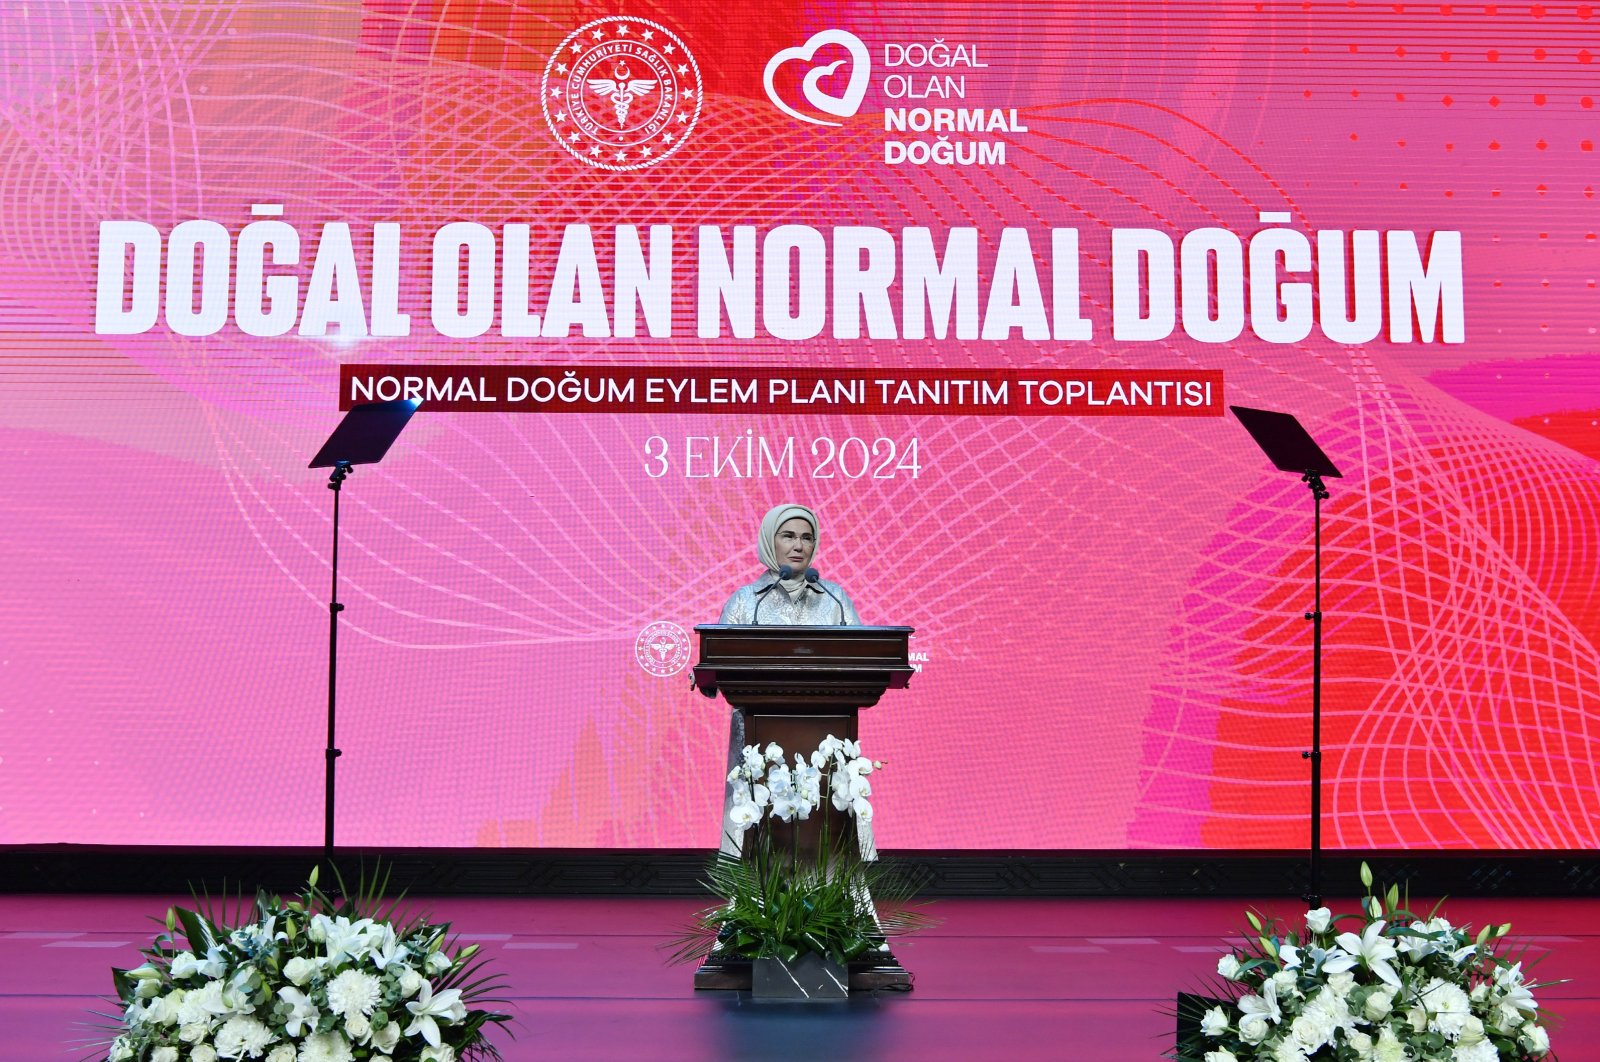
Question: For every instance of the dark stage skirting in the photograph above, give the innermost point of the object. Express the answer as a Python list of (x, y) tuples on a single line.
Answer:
[(669, 872), (1013, 979)]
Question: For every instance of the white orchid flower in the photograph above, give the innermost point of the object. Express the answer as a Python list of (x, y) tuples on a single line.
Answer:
[(754, 762), (743, 815), (786, 805), (304, 1016), (428, 1008), (760, 796), (851, 747), (861, 809), (774, 752), (1371, 949), (829, 746)]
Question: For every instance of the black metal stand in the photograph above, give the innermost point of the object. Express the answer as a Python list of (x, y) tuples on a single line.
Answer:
[(1292, 449), (362, 438), (1319, 494), (341, 469)]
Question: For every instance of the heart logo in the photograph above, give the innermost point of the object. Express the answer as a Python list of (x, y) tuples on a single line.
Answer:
[(839, 106)]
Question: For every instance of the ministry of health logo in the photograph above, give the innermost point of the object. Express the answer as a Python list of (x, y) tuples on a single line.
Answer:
[(662, 648), (621, 93)]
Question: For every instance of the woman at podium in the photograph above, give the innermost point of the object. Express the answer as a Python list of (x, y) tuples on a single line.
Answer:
[(789, 592)]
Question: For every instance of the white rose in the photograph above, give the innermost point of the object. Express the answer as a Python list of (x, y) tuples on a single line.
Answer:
[(1341, 984), (163, 1010), (387, 1037), (438, 962), (1288, 983), (1471, 1031), (1221, 1055), (184, 964), (203, 1053), (446, 1053), (1362, 1043), (1215, 1022), (411, 982), (1379, 1004), (1389, 1048), (357, 1027), (121, 1049), (1318, 919), (282, 1053), (194, 1032), (1535, 1039), (1228, 966), (164, 1054), (1253, 1028), (299, 971), (1311, 1030)]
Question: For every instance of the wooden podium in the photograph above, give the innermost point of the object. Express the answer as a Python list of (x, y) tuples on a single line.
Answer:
[(795, 686)]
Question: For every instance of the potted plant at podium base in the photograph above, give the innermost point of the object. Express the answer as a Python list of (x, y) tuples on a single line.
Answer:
[(799, 911)]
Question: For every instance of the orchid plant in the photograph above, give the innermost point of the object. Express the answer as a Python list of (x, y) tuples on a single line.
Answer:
[(312, 979), (1380, 985), (780, 902)]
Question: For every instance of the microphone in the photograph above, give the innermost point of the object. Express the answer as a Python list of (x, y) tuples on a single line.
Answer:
[(784, 572), (816, 584)]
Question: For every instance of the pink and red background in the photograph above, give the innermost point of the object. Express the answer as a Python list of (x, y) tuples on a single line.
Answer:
[(1110, 608)]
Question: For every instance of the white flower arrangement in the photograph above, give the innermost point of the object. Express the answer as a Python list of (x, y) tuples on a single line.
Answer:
[(779, 903), (308, 980), (1382, 985), (764, 784)]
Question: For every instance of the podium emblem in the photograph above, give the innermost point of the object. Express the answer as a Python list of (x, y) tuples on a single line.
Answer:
[(662, 649), (621, 93)]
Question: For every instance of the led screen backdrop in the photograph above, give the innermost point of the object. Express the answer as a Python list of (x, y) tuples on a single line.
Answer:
[(932, 255)]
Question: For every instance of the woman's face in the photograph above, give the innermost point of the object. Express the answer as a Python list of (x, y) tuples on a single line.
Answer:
[(795, 544)]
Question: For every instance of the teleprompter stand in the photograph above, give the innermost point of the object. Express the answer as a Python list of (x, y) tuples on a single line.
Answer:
[(1290, 447), (362, 438), (795, 686)]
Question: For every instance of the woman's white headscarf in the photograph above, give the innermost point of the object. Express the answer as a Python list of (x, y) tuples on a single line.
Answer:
[(766, 547)]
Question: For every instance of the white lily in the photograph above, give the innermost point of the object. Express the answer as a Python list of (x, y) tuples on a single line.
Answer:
[(304, 1015), (388, 949), (428, 1008), (1371, 949), (1265, 1005), (1509, 980)]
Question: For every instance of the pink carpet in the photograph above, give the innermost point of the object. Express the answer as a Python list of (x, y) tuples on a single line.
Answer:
[(999, 979)]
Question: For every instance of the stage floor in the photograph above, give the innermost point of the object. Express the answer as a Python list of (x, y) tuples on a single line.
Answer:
[(999, 979)]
